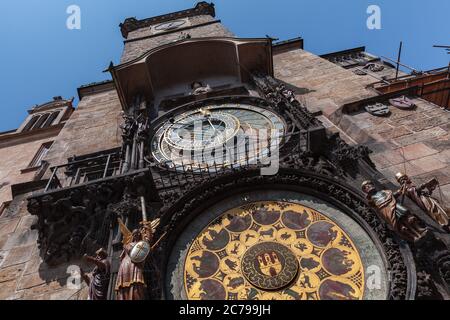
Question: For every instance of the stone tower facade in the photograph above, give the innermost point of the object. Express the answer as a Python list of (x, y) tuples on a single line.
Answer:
[(67, 174)]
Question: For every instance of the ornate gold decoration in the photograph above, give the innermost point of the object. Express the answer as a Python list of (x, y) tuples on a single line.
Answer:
[(269, 266), (273, 250)]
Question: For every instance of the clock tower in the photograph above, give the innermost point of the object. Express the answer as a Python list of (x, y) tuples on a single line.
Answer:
[(143, 35), (226, 157)]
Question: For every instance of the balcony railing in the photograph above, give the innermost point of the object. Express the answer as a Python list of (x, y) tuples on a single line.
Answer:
[(174, 175), (85, 170), (169, 175)]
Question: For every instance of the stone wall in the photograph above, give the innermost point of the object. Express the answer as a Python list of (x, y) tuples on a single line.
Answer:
[(323, 85), (15, 158), (417, 139), (93, 127), (23, 275), (134, 49)]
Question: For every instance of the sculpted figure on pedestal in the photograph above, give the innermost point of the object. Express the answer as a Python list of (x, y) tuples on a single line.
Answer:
[(99, 281), (393, 213), (198, 88), (422, 196), (130, 283)]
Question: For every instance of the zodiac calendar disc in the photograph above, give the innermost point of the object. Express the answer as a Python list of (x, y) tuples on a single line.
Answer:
[(273, 250)]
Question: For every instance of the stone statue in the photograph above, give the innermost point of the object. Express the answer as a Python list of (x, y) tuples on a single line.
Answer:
[(130, 283), (198, 88), (99, 281), (422, 196), (127, 127), (393, 213)]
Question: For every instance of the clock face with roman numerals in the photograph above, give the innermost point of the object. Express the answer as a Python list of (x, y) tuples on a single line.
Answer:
[(170, 25), (217, 134)]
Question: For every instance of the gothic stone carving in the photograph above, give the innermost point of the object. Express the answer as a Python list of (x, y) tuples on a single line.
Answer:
[(173, 216), (434, 256), (72, 222), (345, 155), (283, 100)]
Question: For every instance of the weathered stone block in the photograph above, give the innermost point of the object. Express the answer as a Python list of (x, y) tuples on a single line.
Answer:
[(429, 164), (20, 239), (396, 132), (66, 294), (416, 151), (446, 191), (27, 221), (421, 136), (40, 278), (42, 292), (17, 256), (8, 225), (442, 142), (8, 291), (11, 273)]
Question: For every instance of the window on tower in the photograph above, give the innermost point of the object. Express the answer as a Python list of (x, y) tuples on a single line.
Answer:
[(31, 123), (39, 156), (40, 121), (3, 207)]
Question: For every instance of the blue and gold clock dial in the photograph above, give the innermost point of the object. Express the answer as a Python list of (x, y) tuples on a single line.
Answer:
[(226, 134)]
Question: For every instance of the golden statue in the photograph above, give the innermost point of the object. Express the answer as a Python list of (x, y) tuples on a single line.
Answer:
[(422, 196)]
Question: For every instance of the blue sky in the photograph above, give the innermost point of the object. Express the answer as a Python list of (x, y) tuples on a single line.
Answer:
[(41, 58)]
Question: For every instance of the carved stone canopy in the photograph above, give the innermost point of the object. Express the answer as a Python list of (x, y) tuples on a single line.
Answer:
[(216, 61)]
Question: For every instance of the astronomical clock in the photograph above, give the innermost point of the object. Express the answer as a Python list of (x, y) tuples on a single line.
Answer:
[(241, 235), (228, 187), (201, 138), (273, 245), (234, 233)]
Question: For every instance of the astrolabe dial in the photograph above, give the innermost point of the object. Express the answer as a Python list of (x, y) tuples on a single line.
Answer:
[(202, 130), (273, 250), (224, 135)]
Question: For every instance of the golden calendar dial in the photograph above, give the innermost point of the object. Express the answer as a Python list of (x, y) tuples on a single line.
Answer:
[(273, 250)]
